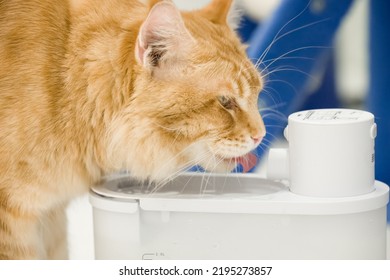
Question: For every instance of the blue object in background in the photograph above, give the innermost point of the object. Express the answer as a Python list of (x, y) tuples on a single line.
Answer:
[(292, 49), (326, 95), (246, 28), (378, 99)]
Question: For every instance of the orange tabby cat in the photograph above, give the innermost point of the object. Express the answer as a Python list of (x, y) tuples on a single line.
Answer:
[(111, 85)]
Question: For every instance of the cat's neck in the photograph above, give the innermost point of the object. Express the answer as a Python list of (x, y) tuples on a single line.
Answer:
[(100, 75)]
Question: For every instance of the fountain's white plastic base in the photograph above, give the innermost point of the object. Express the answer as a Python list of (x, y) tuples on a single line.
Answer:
[(241, 216)]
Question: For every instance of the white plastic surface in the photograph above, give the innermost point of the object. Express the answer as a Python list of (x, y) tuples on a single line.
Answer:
[(210, 216), (331, 152), (277, 167)]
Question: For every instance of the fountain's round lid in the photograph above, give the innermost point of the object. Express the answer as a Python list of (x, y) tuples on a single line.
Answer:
[(331, 117)]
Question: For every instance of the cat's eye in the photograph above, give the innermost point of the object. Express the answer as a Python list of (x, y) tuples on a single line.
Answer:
[(227, 102)]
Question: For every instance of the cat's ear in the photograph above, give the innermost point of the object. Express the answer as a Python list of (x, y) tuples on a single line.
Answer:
[(162, 36), (218, 11)]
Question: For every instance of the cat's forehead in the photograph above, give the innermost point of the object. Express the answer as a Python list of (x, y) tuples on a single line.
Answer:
[(240, 86), (220, 59), (236, 68), (241, 79)]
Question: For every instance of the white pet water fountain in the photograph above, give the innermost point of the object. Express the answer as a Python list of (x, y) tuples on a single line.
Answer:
[(320, 201)]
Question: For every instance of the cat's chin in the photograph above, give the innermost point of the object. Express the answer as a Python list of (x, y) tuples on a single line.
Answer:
[(220, 164), (223, 165)]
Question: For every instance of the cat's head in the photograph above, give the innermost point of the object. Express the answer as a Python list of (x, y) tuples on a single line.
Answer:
[(196, 93)]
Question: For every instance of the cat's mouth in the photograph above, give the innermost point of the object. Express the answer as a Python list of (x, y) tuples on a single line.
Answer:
[(247, 162)]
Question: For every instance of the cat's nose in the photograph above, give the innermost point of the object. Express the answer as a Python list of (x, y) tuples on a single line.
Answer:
[(257, 129), (258, 136), (256, 139)]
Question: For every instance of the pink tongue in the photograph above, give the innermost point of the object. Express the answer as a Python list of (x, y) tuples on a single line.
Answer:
[(248, 162)]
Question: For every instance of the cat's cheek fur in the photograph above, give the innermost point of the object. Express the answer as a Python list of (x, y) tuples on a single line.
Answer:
[(141, 151), (201, 155)]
